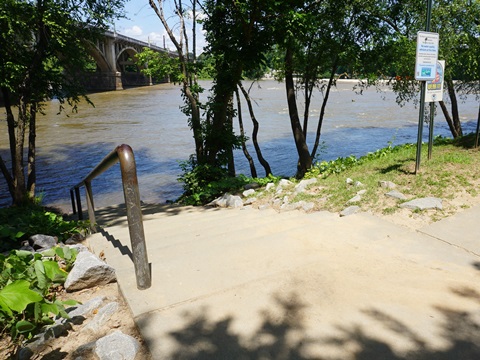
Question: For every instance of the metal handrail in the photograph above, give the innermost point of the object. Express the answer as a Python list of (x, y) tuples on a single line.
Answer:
[(124, 154)]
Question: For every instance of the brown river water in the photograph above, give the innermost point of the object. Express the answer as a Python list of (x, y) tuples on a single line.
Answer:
[(149, 119)]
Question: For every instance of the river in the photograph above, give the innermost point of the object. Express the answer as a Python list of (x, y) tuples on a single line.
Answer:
[(149, 119)]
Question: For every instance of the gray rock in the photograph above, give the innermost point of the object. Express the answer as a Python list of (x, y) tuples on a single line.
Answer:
[(43, 242), (220, 202), (350, 210), (387, 184), (269, 186), (277, 202), (284, 183), (289, 207), (101, 318), (74, 239), (115, 346), (423, 204), (251, 186), (303, 184), (264, 207), (361, 192), (40, 342), (234, 201), (349, 181), (26, 248), (248, 192), (250, 201), (396, 195), (355, 199), (307, 206), (358, 184), (78, 247), (89, 271), (84, 351), (86, 308)]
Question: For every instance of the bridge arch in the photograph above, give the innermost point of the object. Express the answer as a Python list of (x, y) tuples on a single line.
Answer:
[(116, 68), (99, 58)]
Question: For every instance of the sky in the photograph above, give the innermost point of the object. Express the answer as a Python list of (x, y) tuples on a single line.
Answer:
[(143, 24)]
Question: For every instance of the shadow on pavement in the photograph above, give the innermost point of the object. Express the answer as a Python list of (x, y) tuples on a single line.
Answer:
[(284, 336)]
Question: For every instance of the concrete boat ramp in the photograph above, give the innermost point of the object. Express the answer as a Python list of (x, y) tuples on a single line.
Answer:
[(257, 284)]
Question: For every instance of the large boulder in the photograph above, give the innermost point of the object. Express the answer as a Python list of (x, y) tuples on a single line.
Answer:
[(89, 271)]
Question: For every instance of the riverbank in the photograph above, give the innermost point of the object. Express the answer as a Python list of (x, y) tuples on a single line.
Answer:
[(381, 182)]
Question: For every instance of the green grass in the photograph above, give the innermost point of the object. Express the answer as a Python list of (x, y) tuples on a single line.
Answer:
[(454, 168)]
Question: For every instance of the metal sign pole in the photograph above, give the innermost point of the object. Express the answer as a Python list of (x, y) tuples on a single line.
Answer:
[(422, 99), (420, 127), (430, 130)]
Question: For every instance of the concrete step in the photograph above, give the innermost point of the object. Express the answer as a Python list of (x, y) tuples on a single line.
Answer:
[(237, 274)]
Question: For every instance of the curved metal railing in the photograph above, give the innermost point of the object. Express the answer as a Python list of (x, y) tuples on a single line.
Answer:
[(124, 155)]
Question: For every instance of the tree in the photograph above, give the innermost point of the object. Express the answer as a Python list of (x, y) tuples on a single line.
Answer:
[(236, 41), (316, 40), (159, 65), (188, 78), (43, 48), (459, 31)]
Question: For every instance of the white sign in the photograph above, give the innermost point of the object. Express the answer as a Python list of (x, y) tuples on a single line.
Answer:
[(427, 55), (434, 88)]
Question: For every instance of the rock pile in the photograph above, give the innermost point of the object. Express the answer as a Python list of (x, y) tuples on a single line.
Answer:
[(285, 190), (90, 319)]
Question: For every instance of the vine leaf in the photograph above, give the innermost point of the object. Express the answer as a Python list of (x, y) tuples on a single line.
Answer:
[(17, 295)]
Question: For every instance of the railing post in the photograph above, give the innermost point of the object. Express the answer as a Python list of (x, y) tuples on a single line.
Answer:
[(134, 216), (79, 203), (72, 198), (124, 154), (90, 206)]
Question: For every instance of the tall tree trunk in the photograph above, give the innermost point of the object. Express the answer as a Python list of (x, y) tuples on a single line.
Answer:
[(304, 158), (449, 120), (229, 149), (453, 121), (9, 177), (18, 173), (261, 159), (477, 133), (322, 112), (253, 170), (31, 169)]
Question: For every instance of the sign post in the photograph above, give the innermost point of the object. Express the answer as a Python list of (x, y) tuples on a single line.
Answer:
[(425, 69), (434, 92)]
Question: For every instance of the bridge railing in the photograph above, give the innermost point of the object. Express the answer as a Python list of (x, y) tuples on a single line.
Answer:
[(124, 155)]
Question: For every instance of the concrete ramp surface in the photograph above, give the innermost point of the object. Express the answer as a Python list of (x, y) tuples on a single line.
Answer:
[(251, 284)]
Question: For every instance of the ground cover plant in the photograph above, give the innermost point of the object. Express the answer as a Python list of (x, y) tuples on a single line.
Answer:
[(18, 223), (30, 282)]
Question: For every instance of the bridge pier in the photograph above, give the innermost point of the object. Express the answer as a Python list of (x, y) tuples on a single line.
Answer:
[(103, 81)]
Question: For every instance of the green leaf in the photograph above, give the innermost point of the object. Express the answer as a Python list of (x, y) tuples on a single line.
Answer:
[(53, 271), (71, 302), (24, 326), (60, 252), (17, 295), (43, 282), (49, 308)]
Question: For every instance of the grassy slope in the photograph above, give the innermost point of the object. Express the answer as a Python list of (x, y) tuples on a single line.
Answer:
[(453, 172)]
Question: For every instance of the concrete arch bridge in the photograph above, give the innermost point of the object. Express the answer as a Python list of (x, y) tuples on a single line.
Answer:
[(116, 69)]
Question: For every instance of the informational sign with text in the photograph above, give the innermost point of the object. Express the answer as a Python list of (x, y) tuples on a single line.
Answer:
[(434, 88), (427, 56)]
